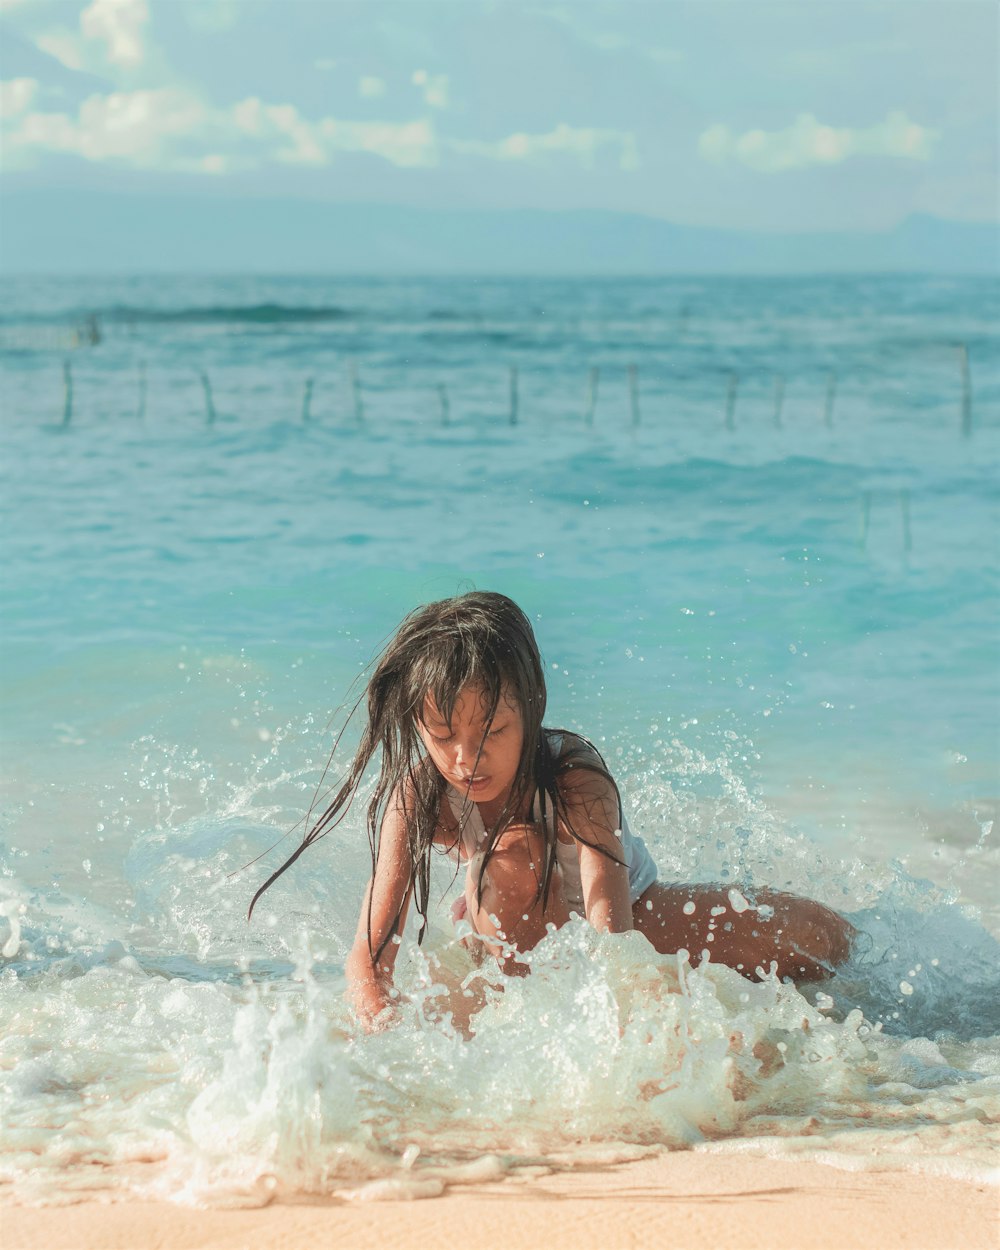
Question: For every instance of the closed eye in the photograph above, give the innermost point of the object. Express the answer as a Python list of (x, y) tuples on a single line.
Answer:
[(445, 738)]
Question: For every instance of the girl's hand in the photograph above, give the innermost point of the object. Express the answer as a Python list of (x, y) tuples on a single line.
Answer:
[(374, 1008)]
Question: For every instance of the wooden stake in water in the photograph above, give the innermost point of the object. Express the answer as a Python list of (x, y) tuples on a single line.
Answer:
[(866, 516), (831, 394), (67, 392), (779, 399), (513, 394), (963, 361), (633, 393), (593, 380), (443, 396), (140, 410), (209, 405), (307, 399), (734, 382), (359, 403), (904, 510)]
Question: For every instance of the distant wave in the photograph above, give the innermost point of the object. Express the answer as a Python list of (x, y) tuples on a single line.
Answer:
[(253, 314), (448, 314)]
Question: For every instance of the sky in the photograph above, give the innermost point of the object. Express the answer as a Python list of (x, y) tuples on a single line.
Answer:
[(799, 116)]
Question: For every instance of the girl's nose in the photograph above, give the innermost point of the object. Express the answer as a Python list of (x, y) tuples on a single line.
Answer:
[(466, 754)]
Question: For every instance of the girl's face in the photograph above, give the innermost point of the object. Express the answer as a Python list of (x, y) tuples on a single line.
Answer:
[(476, 761)]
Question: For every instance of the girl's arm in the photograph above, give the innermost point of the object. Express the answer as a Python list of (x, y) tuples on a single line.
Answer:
[(592, 809), (369, 984)]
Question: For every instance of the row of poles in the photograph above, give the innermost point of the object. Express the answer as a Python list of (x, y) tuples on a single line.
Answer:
[(904, 516), (866, 498), (590, 406)]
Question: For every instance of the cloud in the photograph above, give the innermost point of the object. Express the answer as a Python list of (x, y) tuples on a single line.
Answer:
[(297, 142), (435, 88), (138, 127), (582, 142), (370, 88), (111, 33), (66, 47), (405, 144), (809, 142), (119, 25), (175, 128), (16, 96)]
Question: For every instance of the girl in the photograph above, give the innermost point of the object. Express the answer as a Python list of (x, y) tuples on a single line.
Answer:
[(456, 704)]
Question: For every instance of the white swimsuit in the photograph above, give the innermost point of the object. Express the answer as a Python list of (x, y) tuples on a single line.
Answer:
[(472, 831)]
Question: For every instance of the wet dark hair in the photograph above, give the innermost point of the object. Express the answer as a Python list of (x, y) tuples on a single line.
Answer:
[(480, 639)]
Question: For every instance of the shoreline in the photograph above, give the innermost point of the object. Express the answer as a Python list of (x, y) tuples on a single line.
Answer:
[(712, 1201)]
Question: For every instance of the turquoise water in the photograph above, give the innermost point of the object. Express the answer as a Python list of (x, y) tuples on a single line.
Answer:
[(764, 577)]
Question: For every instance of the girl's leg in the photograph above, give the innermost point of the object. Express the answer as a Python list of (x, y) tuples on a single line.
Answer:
[(804, 939), (511, 912)]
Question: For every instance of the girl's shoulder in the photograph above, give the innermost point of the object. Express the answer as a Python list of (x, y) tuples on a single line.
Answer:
[(584, 785), (571, 750)]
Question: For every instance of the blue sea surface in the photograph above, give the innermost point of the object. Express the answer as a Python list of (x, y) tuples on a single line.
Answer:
[(755, 524)]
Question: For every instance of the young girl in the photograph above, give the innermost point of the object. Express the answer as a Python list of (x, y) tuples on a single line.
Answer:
[(455, 704)]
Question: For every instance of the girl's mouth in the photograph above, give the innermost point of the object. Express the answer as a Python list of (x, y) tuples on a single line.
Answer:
[(472, 784)]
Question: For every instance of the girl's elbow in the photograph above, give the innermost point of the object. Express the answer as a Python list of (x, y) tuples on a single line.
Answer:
[(606, 918)]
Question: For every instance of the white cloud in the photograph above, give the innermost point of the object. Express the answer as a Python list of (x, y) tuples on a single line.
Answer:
[(66, 47), (119, 25), (172, 128), (176, 129), (581, 142), (16, 95), (111, 33), (809, 142), (300, 146), (215, 163), (405, 144), (249, 115), (136, 127), (370, 87), (435, 88)]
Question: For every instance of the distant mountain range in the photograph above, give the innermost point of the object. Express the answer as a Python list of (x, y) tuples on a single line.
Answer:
[(44, 231)]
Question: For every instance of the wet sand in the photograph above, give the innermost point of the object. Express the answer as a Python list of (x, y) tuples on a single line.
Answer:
[(685, 1199)]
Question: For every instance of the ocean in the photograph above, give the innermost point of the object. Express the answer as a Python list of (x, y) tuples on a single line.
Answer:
[(755, 524)]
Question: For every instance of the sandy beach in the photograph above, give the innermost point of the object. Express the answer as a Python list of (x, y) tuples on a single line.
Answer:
[(682, 1199)]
